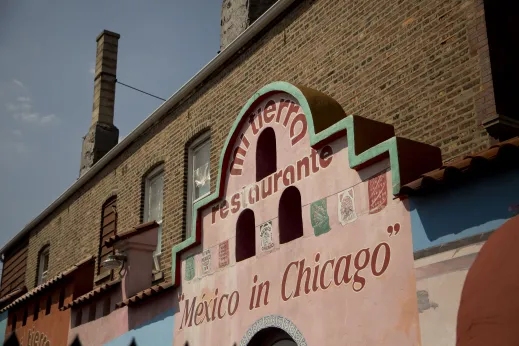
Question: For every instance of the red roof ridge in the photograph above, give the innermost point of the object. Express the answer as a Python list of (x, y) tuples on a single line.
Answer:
[(49, 283), (499, 155), (145, 294), (85, 298), (130, 233), (17, 292)]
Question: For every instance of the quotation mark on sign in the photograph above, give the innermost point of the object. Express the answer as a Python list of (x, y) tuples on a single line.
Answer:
[(393, 230)]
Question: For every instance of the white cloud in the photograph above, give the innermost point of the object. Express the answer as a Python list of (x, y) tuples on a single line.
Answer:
[(27, 117), (47, 118), (23, 111), (17, 133), (19, 147), (16, 147), (34, 118), (17, 82), (92, 69), (18, 107)]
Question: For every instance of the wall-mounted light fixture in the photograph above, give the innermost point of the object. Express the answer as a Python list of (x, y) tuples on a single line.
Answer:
[(115, 261)]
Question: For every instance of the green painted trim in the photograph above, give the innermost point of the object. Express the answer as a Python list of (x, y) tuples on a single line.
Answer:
[(389, 146)]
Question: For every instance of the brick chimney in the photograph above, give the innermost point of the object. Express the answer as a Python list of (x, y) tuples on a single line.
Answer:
[(102, 135), (238, 15)]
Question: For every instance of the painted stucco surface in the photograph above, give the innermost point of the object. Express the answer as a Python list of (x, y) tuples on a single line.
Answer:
[(48, 329), (464, 211), (102, 329), (344, 212), (440, 280), (152, 316), (3, 326), (157, 331)]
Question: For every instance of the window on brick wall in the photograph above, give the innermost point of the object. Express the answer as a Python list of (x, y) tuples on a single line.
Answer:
[(199, 178), (501, 18), (108, 229), (153, 206), (43, 265)]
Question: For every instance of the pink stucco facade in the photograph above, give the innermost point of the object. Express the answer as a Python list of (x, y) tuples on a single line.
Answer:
[(348, 278), (101, 330)]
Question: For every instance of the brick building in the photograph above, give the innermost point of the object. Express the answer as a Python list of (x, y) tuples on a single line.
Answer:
[(438, 72)]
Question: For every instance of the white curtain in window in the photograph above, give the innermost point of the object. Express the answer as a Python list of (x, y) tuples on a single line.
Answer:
[(201, 171), (155, 193), (156, 188)]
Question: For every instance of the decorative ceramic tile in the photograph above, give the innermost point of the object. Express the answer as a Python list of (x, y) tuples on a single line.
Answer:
[(277, 322), (319, 217), (223, 254), (377, 192), (190, 268), (346, 207), (266, 236), (206, 261)]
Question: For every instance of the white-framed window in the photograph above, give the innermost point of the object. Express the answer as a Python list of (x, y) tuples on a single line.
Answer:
[(199, 177), (43, 266), (153, 205)]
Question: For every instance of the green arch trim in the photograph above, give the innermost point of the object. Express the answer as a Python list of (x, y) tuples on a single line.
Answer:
[(307, 100)]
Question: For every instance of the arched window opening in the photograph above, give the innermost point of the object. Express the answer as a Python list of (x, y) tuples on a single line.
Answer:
[(266, 160), (43, 265), (153, 193), (245, 236), (290, 215), (108, 229), (272, 337)]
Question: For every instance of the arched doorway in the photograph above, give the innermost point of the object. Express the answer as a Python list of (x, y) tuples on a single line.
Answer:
[(272, 337), (273, 330)]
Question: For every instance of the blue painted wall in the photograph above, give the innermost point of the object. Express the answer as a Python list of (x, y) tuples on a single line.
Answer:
[(157, 332), (477, 207), (3, 326)]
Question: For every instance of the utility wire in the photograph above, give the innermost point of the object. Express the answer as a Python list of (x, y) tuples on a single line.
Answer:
[(144, 92)]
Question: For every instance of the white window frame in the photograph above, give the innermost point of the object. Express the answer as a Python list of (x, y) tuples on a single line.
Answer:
[(152, 175), (42, 274), (200, 141)]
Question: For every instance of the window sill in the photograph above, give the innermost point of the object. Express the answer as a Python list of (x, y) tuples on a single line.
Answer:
[(157, 276), (502, 127)]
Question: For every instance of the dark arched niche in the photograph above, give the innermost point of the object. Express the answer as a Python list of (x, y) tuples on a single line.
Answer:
[(266, 159), (245, 236), (290, 215)]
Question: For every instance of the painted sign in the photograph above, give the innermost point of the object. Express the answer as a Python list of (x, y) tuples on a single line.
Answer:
[(35, 338), (316, 257)]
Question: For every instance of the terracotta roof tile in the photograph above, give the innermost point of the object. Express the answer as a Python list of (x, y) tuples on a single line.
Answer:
[(85, 298), (498, 157), (134, 231), (12, 295), (49, 283), (145, 294)]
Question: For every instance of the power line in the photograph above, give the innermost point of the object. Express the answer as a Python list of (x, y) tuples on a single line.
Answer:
[(144, 92)]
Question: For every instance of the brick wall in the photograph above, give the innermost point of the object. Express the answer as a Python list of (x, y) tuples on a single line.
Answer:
[(414, 64)]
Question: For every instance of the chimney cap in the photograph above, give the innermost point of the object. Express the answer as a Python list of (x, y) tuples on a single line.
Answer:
[(109, 33)]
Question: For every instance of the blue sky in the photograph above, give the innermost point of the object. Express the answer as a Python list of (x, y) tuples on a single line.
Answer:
[(46, 83)]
